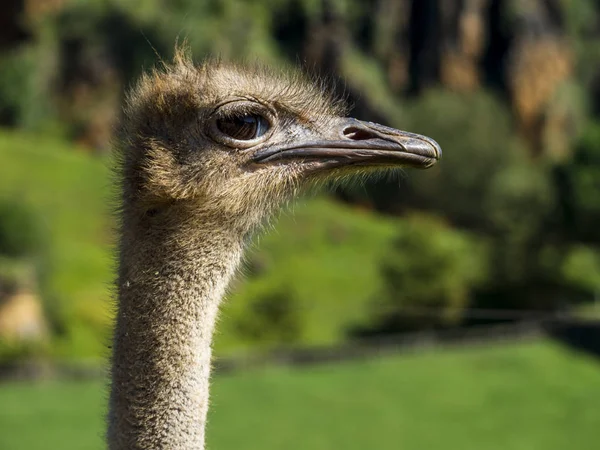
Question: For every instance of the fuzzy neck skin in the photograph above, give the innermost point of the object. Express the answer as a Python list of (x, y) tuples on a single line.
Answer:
[(171, 280)]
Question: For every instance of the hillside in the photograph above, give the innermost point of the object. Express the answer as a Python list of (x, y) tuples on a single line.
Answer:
[(69, 193), (318, 267)]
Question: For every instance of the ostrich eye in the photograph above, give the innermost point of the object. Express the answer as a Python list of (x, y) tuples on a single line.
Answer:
[(243, 127)]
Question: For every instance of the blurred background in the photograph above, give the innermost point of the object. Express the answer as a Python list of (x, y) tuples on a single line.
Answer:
[(499, 244)]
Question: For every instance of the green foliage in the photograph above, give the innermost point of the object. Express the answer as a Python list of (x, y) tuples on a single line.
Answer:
[(12, 351), (364, 74), (14, 274), (519, 203), (322, 263), (565, 115), (15, 72), (581, 24), (27, 77), (581, 267), (20, 232), (584, 180), (487, 182), (476, 135), (519, 199), (430, 266), (534, 396), (67, 194), (105, 45), (272, 317)]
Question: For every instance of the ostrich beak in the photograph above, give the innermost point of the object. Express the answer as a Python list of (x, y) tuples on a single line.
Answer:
[(352, 142)]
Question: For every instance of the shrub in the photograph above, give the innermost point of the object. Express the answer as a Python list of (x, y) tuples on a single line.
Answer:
[(518, 206), (268, 316), (20, 233), (14, 76), (582, 268), (584, 181), (430, 273), (477, 140)]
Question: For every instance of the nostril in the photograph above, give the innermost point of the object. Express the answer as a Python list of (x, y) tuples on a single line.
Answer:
[(358, 134)]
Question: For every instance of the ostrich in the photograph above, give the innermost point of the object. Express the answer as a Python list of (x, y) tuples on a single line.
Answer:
[(207, 154)]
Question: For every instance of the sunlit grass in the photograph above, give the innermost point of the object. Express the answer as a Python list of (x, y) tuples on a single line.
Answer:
[(513, 397)]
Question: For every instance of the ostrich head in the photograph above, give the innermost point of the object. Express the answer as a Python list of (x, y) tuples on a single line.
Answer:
[(232, 143)]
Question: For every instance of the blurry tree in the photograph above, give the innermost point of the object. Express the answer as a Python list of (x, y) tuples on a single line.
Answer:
[(582, 26), (429, 276), (583, 186), (16, 72), (582, 268), (518, 206), (528, 248), (489, 184), (20, 231), (478, 141), (269, 316)]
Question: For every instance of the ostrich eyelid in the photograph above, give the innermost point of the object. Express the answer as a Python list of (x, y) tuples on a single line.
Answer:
[(245, 107)]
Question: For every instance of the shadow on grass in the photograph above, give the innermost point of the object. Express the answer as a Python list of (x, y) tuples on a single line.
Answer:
[(582, 336)]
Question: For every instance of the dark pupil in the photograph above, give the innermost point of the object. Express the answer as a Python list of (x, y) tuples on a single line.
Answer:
[(243, 128)]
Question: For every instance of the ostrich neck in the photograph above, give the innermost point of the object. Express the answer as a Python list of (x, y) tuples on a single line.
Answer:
[(170, 285)]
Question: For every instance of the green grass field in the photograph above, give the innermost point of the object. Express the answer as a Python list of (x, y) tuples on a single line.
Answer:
[(514, 397)]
